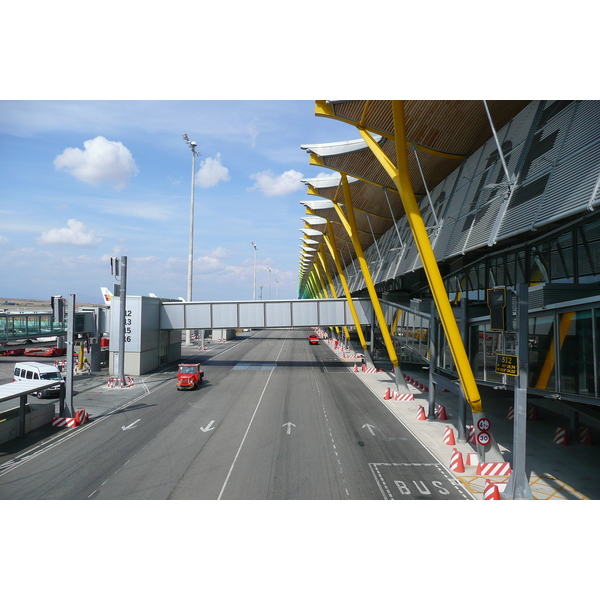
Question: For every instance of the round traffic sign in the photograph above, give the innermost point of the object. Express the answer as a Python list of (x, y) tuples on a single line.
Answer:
[(483, 438), (483, 424)]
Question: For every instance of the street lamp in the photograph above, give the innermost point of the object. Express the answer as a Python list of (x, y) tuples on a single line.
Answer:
[(254, 296), (192, 145), (269, 269), (277, 289)]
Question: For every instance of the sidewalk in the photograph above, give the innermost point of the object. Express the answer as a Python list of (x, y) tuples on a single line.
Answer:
[(555, 472)]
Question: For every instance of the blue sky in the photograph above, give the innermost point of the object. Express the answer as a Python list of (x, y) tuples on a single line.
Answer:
[(81, 181)]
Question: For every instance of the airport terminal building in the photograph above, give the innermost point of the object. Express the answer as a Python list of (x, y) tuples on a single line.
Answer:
[(431, 204)]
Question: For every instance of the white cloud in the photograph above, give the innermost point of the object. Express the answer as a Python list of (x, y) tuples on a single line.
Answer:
[(74, 234), (280, 185), (253, 131), (211, 172), (101, 161)]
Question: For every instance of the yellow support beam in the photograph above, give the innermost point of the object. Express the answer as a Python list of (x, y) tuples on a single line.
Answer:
[(323, 259), (353, 233), (401, 178), (330, 242)]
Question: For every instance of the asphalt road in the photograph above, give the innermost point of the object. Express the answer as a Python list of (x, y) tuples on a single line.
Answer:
[(276, 418)]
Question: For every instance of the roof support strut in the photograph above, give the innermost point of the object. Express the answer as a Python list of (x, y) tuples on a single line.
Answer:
[(350, 223), (400, 176)]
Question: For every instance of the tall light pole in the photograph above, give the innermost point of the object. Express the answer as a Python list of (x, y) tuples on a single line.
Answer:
[(192, 145), (254, 296), (277, 289), (269, 269)]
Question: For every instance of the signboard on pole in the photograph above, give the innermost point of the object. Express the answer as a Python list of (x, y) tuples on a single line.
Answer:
[(507, 364)]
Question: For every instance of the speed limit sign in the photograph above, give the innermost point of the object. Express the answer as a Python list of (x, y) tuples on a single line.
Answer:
[(483, 438), (483, 424)]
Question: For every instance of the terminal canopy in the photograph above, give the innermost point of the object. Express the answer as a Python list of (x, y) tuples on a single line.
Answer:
[(440, 134)]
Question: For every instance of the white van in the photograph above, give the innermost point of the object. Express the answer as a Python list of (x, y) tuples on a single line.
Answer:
[(34, 372)]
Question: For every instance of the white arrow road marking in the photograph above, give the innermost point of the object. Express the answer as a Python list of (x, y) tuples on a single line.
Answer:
[(369, 427), (289, 426), (130, 426), (209, 427)]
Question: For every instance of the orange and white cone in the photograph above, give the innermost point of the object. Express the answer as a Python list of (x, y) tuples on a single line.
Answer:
[(585, 436), (456, 462), (472, 439), (491, 491), (387, 395), (449, 436), (440, 413), (511, 413), (355, 368), (560, 437), (421, 416), (532, 413)]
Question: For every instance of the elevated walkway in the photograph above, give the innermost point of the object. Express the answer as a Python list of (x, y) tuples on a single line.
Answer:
[(333, 312)]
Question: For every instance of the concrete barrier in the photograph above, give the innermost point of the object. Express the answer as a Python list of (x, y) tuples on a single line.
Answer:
[(37, 416)]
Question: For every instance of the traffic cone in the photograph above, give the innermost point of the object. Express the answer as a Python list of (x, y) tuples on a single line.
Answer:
[(491, 491), (355, 368), (440, 412), (560, 437), (387, 395), (471, 439), (585, 436), (421, 416), (532, 413), (511, 413), (425, 389), (456, 462), (449, 436)]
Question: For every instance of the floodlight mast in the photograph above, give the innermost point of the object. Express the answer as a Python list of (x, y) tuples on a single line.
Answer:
[(255, 248), (192, 145)]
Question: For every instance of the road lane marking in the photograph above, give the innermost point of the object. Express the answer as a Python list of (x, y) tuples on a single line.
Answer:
[(249, 424), (209, 427)]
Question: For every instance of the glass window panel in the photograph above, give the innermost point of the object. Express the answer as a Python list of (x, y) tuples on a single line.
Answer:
[(542, 367), (576, 353)]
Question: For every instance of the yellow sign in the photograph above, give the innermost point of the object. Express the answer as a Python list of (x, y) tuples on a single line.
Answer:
[(507, 364)]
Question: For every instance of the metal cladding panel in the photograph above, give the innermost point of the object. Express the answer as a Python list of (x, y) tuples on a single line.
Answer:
[(224, 315), (548, 191), (198, 313), (171, 316), (571, 186), (305, 313), (280, 314), (252, 314), (332, 312), (584, 127), (452, 237)]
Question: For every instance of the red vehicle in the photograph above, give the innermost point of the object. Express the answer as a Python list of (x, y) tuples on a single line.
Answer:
[(13, 352), (189, 376), (54, 351), (313, 338)]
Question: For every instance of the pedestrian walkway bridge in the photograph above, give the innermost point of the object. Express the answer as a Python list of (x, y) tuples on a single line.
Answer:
[(333, 312), (25, 325)]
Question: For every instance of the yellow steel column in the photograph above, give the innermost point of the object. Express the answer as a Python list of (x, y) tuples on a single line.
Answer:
[(350, 220), (330, 241), (415, 220), (322, 258)]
